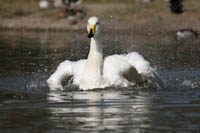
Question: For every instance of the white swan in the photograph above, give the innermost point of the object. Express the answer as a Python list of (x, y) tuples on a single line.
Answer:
[(96, 72)]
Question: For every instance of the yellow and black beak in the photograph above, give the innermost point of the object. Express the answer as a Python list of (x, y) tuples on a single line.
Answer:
[(91, 31)]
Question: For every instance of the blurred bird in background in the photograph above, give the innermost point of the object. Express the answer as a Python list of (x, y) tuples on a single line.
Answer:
[(144, 1), (69, 9), (187, 34), (44, 4), (176, 6)]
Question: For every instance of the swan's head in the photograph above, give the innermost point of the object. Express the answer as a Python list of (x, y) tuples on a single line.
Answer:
[(93, 27)]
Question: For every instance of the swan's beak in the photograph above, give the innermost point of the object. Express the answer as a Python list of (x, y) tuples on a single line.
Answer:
[(92, 31)]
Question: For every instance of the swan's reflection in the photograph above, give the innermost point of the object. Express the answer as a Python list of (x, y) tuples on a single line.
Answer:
[(110, 110)]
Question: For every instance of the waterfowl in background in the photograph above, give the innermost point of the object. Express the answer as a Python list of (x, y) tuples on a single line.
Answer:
[(144, 1), (176, 6), (70, 9), (186, 34), (44, 4)]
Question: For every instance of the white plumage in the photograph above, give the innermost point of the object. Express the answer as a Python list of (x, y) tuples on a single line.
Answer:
[(96, 72), (44, 4)]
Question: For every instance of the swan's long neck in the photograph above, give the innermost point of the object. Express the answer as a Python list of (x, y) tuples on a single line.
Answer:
[(92, 73), (95, 56)]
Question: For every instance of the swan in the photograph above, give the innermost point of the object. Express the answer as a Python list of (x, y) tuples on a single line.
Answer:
[(98, 72)]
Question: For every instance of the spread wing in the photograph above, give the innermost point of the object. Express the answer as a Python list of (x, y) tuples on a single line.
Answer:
[(132, 75), (130, 68), (63, 71), (118, 71)]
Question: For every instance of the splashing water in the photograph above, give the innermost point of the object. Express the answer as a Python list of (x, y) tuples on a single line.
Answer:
[(26, 105)]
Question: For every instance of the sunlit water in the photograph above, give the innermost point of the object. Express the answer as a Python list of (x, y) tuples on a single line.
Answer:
[(26, 105)]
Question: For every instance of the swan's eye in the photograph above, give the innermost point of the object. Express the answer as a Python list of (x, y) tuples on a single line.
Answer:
[(97, 23)]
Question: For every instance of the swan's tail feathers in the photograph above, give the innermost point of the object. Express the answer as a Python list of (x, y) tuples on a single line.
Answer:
[(133, 76)]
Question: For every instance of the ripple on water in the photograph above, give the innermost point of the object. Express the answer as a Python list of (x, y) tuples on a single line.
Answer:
[(26, 105)]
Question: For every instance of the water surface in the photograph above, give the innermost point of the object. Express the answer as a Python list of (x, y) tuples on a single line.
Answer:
[(26, 105)]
